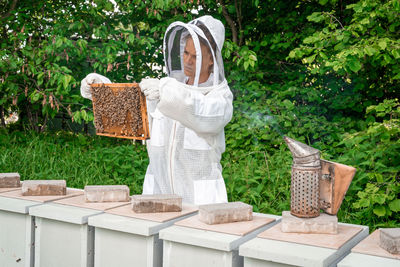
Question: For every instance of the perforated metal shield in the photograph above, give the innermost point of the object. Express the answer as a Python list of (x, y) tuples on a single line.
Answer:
[(305, 192)]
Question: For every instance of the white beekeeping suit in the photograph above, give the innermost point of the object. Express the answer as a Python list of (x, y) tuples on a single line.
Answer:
[(187, 121)]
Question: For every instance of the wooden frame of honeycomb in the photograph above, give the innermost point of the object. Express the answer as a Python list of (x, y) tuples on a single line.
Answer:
[(120, 111)]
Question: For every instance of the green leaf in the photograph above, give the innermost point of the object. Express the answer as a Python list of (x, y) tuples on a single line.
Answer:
[(40, 78), (310, 40), (35, 96), (397, 76), (382, 44), (364, 203), (84, 115), (395, 205), (66, 80), (246, 65), (379, 178), (380, 211), (364, 21), (370, 51), (288, 104), (316, 17), (354, 65), (59, 42), (380, 199), (131, 38), (292, 54), (108, 6), (396, 53), (77, 116), (323, 2), (310, 59)]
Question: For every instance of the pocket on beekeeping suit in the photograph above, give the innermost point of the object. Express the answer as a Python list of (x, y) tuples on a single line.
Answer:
[(209, 191), (157, 129), (192, 141), (208, 106), (148, 184)]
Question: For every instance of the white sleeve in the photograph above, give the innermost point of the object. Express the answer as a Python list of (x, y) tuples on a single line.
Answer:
[(203, 113)]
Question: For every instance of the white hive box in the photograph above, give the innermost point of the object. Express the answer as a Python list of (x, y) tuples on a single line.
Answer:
[(275, 248), (126, 238), (17, 226), (63, 237), (191, 242), (368, 253)]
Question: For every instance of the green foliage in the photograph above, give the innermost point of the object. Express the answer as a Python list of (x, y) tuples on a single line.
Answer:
[(47, 48), (324, 72), (361, 49), (375, 152), (259, 179)]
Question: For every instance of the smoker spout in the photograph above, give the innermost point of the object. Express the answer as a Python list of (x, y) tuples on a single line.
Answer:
[(303, 155)]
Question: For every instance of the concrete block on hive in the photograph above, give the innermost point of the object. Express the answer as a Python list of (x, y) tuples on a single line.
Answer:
[(225, 213), (106, 193), (323, 224), (156, 203), (44, 187), (390, 240), (9, 180)]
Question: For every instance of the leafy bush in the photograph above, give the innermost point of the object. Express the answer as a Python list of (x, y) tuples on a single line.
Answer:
[(374, 195)]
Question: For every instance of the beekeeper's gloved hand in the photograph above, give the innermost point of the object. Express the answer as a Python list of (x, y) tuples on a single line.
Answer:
[(88, 80), (150, 88)]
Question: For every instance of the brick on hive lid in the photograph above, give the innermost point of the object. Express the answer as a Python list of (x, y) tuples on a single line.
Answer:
[(44, 187), (390, 239), (106, 193), (225, 212), (156, 203), (9, 180), (323, 224)]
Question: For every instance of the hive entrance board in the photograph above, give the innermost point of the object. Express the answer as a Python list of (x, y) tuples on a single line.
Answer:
[(120, 110)]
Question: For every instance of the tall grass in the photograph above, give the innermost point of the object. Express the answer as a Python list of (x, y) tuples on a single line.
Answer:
[(254, 177), (79, 159)]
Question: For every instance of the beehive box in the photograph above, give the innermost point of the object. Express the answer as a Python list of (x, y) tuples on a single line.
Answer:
[(18, 227), (120, 110), (368, 253), (191, 242), (123, 237), (276, 248)]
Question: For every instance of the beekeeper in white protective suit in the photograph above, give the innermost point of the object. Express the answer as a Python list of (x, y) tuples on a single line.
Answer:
[(187, 114)]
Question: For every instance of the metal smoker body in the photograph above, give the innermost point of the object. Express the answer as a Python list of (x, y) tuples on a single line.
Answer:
[(316, 184)]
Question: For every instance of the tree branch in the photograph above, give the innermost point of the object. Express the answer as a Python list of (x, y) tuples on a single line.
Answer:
[(12, 7), (230, 21), (2, 121), (238, 8)]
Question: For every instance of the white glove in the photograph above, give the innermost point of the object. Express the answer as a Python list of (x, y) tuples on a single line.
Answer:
[(150, 88), (88, 80)]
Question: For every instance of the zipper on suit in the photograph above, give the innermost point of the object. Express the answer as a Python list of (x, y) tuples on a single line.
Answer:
[(171, 157)]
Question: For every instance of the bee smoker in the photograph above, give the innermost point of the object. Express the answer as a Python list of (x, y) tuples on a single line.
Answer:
[(306, 171), (316, 184)]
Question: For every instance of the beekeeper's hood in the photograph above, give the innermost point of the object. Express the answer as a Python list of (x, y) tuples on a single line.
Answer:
[(212, 33)]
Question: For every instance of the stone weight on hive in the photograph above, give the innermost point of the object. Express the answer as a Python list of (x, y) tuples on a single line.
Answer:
[(120, 111)]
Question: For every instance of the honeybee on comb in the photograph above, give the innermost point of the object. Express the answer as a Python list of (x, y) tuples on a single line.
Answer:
[(120, 111)]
